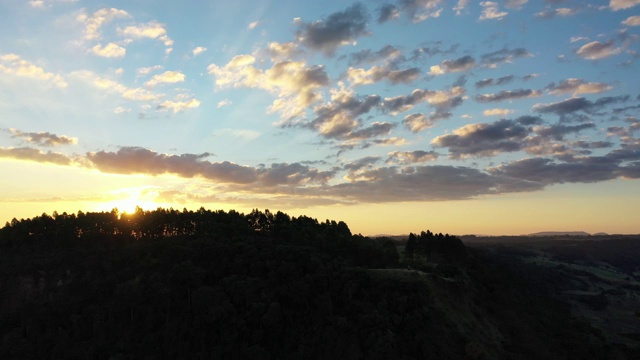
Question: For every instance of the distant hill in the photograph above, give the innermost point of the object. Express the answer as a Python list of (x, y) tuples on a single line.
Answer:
[(560, 233)]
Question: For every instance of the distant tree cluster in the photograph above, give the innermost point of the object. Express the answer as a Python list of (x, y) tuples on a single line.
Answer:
[(436, 247)]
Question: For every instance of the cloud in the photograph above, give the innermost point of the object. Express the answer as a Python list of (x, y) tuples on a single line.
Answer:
[(100, 18), (253, 25), (150, 30), (483, 139), (281, 51), (198, 50), (497, 112), (223, 103), (388, 12), (551, 13), (177, 106), (294, 83), (464, 63), (558, 132), (507, 95), (387, 54), (572, 105), (136, 160), (616, 5), (461, 5), (339, 118), (505, 55), (441, 100), (36, 155), (596, 50), (411, 157), (546, 171), (167, 77), (147, 70), (491, 11), (111, 50), (135, 94), (379, 73), (632, 21), (576, 87), (42, 138), (340, 28), (13, 64), (417, 10), (419, 122), (424, 183)]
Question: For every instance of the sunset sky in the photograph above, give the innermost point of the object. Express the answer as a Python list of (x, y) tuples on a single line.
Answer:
[(505, 117)]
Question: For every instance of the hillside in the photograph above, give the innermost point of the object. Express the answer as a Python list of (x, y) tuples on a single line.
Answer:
[(205, 284)]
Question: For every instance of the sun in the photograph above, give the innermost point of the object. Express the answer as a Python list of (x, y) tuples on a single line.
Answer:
[(127, 200)]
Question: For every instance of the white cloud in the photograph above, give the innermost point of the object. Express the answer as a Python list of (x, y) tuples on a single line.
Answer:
[(623, 4), (14, 65), (177, 106), (293, 82), (150, 30), (460, 6), (491, 11), (167, 77), (134, 94), (147, 70), (111, 50), (632, 21), (223, 103), (596, 50), (198, 50), (253, 25), (100, 18), (497, 112)]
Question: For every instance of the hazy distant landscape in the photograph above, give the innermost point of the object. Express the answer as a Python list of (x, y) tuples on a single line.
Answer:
[(262, 285)]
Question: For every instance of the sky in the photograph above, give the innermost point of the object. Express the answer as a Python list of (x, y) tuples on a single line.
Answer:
[(395, 116)]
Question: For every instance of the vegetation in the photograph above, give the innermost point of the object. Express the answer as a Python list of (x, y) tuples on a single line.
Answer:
[(213, 284)]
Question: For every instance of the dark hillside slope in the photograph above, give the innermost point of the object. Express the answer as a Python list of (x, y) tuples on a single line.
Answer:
[(203, 285)]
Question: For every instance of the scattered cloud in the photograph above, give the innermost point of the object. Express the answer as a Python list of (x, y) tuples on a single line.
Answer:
[(379, 73), (386, 54), (576, 87), (223, 103), (632, 21), (339, 29), (416, 10), (551, 13), (493, 59), (93, 23), (167, 77), (575, 104), (507, 95), (616, 5), (491, 11), (177, 106), (253, 25), (35, 155), (411, 157), (143, 71), (198, 50), (111, 50), (461, 5), (483, 139), (13, 64), (464, 63), (597, 50), (497, 112), (46, 139), (293, 82)]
